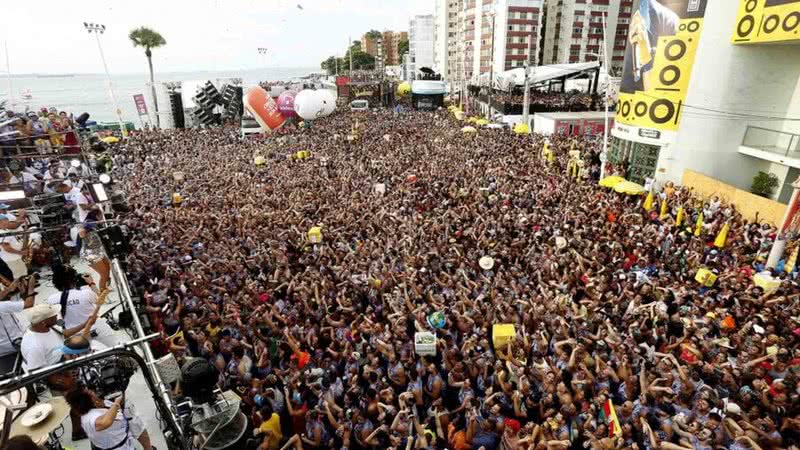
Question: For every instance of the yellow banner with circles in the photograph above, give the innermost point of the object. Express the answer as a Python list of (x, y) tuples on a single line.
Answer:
[(660, 54), (762, 21)]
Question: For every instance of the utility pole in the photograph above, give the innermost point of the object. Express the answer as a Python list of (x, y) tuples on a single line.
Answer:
[(350, 51), (99, 29), (526, 95), (491, 66), (604, 154), (8, 74)]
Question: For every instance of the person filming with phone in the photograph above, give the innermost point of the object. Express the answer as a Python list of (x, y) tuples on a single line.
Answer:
[(109, 425)]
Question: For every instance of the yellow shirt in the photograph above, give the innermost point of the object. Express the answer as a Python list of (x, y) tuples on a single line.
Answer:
[(273, 426)]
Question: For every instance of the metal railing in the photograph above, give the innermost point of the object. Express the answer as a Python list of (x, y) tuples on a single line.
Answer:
[(773, 141)]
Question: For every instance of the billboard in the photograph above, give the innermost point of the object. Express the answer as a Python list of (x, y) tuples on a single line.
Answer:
[(662, 41), (141, 106), (760, 21)]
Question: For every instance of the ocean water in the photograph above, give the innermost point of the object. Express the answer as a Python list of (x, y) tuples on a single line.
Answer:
[(89, 92)]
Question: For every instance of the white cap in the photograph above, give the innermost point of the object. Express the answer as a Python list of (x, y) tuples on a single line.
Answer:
[(486, 262), (39, 313)]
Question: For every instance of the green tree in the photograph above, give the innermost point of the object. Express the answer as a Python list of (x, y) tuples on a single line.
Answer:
[(402, 47), (149, 39), (374, 34)]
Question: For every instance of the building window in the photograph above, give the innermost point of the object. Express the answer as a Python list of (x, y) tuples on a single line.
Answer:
[(577, 30)]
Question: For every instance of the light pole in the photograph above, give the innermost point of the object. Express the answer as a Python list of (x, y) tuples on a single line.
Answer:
[(779, 245), (99, 29), (8, 74), (604, 154), (491, 66), (526, 95)]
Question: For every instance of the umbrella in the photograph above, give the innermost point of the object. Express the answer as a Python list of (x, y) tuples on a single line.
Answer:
[(469, 130), (699, 225), (110, 139), (611, 181), (679, 219), (481, 122), (663, 212), (629, 187)]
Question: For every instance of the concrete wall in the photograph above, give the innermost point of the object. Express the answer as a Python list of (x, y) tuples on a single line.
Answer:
[(746, 203), (758, 80)]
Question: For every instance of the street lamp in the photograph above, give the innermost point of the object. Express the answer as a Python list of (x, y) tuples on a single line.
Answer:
[(99, 29), (604, 154)]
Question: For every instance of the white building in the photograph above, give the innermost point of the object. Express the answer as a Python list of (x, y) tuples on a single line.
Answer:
[(421, 41), (479, 36), (737, 113), (574, 31)]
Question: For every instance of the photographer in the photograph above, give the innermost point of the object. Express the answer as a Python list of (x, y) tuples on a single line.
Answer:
[(109, 425), (77, 300)]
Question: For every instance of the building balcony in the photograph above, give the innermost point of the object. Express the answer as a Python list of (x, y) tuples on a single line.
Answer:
[(772, 145)]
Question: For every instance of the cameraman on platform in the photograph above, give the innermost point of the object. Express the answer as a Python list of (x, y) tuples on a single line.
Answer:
[(109, 425), (77, 298)]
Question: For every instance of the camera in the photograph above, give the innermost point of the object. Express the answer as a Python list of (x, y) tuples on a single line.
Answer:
[(109, 378)]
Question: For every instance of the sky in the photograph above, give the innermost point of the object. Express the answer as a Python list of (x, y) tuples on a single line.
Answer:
[(48, 36)]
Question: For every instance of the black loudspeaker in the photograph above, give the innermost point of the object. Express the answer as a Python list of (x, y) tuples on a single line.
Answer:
[(176, 104), (81, 120), (115, 242)]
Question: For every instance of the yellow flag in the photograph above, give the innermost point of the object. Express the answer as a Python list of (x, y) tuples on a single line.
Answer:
[(699, 225), (679, 219), (663, 213), (722, 236), (648, 202)]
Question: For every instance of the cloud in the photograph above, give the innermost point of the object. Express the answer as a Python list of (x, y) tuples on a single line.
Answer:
[(200, 34)]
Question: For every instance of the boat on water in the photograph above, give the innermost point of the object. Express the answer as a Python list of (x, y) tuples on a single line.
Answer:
[(26, 94), (56, 75)]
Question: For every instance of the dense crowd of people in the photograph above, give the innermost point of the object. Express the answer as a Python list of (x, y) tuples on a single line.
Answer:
[(37, 131), (564, 101), (423, 228)]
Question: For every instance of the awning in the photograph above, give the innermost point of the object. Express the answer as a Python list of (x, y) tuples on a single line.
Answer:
[(509, 79)]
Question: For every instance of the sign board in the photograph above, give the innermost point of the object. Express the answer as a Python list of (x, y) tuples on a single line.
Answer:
[(141, 106), (761, 21), (659, 57)]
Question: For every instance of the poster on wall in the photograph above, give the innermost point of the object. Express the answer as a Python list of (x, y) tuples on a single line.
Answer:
[(760, 21), (662, 41)]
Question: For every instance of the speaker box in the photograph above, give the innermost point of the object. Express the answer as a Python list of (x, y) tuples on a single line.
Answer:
[(176, 104), (115, 242)]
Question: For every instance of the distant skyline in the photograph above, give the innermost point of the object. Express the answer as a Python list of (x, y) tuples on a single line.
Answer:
[(201, 35)]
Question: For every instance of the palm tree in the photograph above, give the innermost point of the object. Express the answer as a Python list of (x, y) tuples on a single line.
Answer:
[(149, 39)]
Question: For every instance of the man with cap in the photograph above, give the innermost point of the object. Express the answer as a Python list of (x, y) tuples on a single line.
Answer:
[(41, 344)]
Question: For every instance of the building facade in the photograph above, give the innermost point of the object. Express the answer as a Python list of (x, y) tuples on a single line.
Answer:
[(473, 37), (574, 31), (421, 43), (721, 99), (390, 43), (446, 29)]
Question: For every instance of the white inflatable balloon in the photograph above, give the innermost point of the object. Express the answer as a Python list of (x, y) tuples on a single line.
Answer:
[(310, 104)]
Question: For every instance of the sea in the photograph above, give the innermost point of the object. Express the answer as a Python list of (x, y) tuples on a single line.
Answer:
[(79, 93)]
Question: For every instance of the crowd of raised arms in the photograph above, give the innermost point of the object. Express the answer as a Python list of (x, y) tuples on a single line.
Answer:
[(318, 338)]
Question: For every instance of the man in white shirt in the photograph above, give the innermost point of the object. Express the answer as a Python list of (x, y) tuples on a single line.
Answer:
[(77, 305), (11, 325), (11, 248), (76, 200), (41, 345)]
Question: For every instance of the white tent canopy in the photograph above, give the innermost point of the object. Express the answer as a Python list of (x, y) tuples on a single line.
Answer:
[(516, 77)]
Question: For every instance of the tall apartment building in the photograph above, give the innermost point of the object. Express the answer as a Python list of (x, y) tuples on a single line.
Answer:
[(421, 40), (391, 46), (446, 21), (474, 37), (574, 31)]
